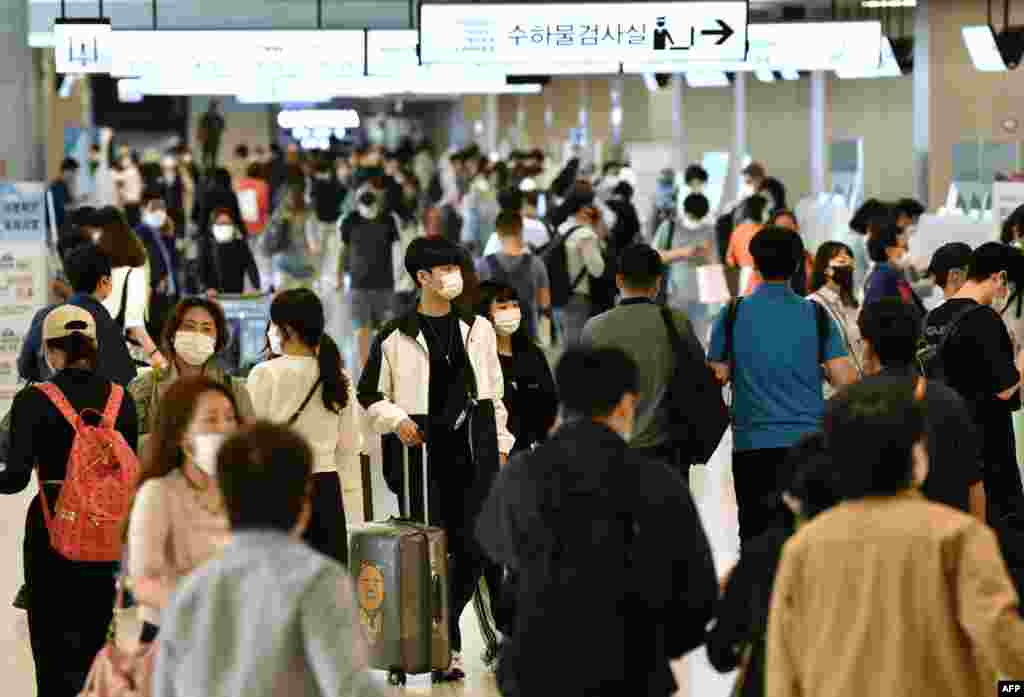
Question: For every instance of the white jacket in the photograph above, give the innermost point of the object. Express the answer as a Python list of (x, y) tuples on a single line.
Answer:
[(396, 380)]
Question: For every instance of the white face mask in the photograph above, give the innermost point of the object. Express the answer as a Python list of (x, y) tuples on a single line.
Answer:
[(451, 285), (748, 190), (224, 233), (368, 212), (155, 220), (276, 341), (194, 348), (506, 322), (205, 447)]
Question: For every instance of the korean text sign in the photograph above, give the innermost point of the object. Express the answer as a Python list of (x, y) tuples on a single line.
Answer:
[(584, 32)]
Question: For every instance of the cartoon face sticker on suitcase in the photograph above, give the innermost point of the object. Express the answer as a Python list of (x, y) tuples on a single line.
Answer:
[(370, 591)]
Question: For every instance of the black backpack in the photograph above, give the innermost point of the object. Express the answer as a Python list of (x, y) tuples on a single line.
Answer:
[(821, 316), (554, 256), (929, 355)]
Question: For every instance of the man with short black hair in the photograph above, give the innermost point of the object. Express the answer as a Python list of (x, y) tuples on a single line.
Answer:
[(776, 348), (891, 332), (582, 507), (309, 640), (978, 362), (434, 377), (62, 192), (514, 266), (637, 327), (948, 268), (88, 270), (686, 243), (696, 179)]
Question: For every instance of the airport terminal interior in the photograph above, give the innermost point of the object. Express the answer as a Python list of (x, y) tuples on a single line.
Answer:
[(244, 195)]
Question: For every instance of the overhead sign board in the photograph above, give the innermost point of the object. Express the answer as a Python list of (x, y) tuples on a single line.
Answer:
[(595, 32), (82, 46), (795, 46), (212, 55)]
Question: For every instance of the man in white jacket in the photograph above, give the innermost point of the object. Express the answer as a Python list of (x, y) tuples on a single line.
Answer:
[(434, 377)]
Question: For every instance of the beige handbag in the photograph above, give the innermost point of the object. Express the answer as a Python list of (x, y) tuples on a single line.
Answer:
[(116, 672)]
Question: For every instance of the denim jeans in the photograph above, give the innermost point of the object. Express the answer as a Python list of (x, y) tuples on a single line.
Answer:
[(571, 317)]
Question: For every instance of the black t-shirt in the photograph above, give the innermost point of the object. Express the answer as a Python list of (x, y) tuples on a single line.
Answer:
[(370, 248), (447, 356), (979, 364), (954, 451)]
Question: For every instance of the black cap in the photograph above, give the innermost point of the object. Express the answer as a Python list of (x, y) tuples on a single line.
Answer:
[(426, 253), (955, 255)]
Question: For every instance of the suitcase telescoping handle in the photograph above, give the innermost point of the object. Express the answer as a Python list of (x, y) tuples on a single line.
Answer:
[(421, 423)]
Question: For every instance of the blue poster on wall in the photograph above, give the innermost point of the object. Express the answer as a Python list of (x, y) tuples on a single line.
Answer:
[(22, 212)]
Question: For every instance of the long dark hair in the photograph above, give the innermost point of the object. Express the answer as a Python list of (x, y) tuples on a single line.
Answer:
[(118, 239), (301, 312), (492, 292), (826, 253)]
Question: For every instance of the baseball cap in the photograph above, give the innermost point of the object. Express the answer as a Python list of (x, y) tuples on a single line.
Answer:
[(954, 255), (66, 320)]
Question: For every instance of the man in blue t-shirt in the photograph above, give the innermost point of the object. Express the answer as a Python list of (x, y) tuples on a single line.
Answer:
[(776, 371)]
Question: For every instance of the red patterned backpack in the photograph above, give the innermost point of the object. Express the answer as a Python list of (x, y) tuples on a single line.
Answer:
[(97, 491)]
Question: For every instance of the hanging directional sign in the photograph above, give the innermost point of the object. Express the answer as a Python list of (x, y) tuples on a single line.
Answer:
[(584, 32), (82, 46)]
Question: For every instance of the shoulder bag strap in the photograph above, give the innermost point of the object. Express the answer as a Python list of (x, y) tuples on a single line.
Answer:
[(673, 334), (730, 330), (823, 328), (305, 402), (113, 405), (121, 314)]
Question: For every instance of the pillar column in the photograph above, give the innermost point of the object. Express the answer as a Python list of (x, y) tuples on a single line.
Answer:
[(921, 104), (739, 135), (818, 144), (679, 158), (584, 120), (491, 122), (617, 115), (18, 155)]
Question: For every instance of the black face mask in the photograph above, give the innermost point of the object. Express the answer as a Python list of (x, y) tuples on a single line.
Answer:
[(843, 276)]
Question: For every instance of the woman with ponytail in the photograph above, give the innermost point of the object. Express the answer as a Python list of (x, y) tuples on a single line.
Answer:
[(307, 387)]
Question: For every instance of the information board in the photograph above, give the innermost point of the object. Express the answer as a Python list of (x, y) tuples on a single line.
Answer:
[(23, 274), (583, 32)]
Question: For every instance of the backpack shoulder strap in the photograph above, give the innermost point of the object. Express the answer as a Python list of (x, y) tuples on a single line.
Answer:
[(55, 395), (823, 323), (113, 407), (730, 325), (954, 324)]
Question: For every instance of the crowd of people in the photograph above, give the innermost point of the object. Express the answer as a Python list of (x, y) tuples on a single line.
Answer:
[(873, 453)]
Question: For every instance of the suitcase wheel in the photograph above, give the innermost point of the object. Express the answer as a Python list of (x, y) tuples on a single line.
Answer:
[(396, 677)]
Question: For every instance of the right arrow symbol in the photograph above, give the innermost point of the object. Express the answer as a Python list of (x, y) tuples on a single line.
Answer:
[(725, 32)]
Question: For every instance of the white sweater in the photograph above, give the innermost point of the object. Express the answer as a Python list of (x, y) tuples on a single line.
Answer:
[(278, 388)]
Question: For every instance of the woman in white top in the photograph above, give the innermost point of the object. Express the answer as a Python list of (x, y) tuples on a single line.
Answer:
[(832, 287), (307, 387), (128, 301), (178, 521)]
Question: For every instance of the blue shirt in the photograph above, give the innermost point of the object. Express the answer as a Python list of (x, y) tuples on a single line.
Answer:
[(777, 396), (113, 361)]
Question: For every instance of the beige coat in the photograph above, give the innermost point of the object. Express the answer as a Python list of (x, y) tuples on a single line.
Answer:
[(892, 596)]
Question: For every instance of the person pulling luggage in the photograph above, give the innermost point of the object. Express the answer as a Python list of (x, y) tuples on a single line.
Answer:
[(438, 364)]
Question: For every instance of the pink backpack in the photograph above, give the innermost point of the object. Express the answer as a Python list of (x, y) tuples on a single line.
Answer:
[(96, 496)]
